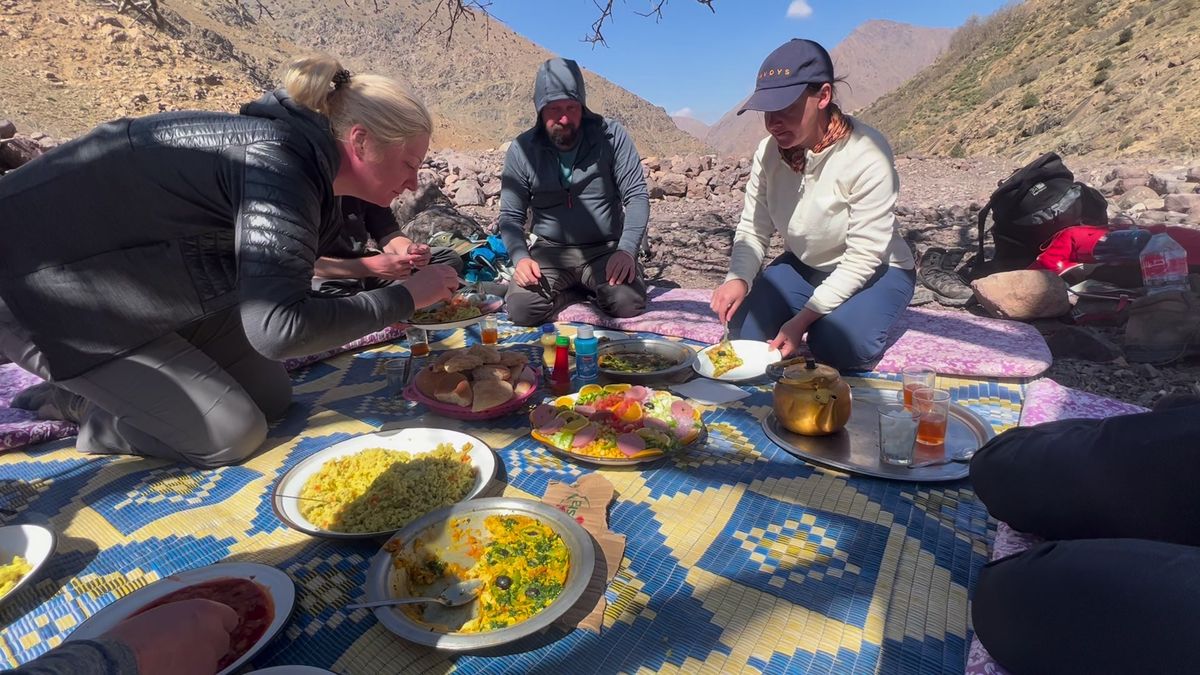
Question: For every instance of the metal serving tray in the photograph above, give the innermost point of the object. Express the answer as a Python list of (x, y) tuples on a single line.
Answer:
[(856, 448)]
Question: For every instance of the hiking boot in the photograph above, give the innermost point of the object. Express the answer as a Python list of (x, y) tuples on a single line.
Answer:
[(937, 271), (1162, 327)]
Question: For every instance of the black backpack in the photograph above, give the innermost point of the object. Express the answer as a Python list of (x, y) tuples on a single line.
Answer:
[(1029, 207)]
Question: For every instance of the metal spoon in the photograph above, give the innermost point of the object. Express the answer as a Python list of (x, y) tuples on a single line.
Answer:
[(960, 456), (454, 595)]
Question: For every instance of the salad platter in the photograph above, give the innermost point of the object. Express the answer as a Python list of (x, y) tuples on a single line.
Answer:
[(617, 424)]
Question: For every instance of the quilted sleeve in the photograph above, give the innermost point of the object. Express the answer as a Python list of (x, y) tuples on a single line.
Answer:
[(277, 234)]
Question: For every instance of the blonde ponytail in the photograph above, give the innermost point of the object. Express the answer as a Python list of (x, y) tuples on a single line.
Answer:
[(388, 111)]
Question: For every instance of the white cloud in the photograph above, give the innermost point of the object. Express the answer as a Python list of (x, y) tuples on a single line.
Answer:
[(799, 9), (684, 112)]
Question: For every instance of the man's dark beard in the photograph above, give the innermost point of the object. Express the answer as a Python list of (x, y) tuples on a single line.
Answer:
[(563, 136)]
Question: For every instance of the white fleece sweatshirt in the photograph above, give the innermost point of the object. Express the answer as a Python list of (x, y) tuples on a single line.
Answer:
[(835, 217)]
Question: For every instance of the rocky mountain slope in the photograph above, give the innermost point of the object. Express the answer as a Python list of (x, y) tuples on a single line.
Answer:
[(691, 126), (70, 64), (1103, 77), (874, 59)]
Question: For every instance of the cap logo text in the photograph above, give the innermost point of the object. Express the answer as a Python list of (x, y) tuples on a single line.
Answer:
[(775, 72)]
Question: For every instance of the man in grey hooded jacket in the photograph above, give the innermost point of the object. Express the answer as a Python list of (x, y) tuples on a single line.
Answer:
[(580, 177)]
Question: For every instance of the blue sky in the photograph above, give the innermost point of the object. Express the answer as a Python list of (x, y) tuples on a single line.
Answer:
[(701, 61)]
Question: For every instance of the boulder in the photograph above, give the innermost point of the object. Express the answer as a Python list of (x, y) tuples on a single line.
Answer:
[(1023, 295), (1139, 195), (1122, 185), (1163, 183), (18, 150), (673, 184), (7, 129), (469, 194), (652, 163), (1137, 172), (1078, 342), (1183, 203), (441, 218), (428, 194), (697, 189), (463, 164), (1193, 174)]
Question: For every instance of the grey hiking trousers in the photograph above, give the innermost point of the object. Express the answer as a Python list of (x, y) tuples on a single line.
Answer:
[(571, 274), (201, 396)]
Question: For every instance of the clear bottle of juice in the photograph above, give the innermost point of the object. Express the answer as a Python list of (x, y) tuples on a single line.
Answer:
[(548, 341)]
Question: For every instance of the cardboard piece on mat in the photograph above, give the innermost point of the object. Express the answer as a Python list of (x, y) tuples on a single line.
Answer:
[(587, 502)]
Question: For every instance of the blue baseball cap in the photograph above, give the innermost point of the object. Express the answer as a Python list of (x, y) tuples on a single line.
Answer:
[(787, 72)]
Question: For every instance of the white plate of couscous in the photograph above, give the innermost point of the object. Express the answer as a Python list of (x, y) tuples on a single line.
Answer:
[(23, 551), (372, 485)]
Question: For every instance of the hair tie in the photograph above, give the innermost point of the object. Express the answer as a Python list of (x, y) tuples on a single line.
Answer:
[(340, 78)]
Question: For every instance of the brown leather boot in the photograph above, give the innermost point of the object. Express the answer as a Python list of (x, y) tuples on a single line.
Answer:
[(1162, 327)]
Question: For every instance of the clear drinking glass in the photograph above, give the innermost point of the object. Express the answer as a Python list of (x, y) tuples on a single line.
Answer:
[(917, 377), (397, 371), (933, 405), (489, 332), (418, 341), (897, 434)]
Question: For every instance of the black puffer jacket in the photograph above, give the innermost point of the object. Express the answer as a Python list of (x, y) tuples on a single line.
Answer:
[(145, 225)]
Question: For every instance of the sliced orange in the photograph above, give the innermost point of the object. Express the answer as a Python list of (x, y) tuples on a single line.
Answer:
[(564, 402), (589, 389), (617, 388), (631, 412)]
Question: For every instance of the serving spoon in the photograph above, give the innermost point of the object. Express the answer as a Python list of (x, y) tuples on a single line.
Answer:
[(960, 456), (454, 596)]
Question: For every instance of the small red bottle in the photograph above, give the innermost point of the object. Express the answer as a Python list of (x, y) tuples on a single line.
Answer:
[(560, 379)]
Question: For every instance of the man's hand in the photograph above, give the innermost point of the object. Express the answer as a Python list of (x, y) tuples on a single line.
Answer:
[(431, 285), (727, 298), (528, 273), (621, 268), (188, 637), (389, 266), (791, 334), (418, 255)]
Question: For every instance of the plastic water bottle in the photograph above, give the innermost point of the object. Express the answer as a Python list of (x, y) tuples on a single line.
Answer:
[(586, 346), (1164, 265)]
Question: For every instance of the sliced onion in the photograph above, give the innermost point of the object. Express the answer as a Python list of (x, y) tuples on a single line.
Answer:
[(630, 444)]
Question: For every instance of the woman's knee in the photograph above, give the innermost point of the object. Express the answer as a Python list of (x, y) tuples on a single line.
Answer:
[(842, 346), (274, 394), (232, 441)]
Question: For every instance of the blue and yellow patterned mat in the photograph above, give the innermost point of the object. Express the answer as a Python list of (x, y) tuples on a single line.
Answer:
[(740, 557)]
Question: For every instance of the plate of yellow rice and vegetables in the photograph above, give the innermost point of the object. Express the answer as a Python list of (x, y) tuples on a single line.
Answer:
[(23, 551), (531, 563), (375, 484), (616, 424)]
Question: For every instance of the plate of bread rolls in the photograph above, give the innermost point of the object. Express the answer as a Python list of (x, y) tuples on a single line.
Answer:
[(475, 383)]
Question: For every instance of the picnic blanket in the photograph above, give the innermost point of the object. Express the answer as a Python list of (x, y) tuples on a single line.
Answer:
[(1045, 401), (740, 556), (953, 343)]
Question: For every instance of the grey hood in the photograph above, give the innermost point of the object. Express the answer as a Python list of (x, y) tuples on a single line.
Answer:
[(558, 79)]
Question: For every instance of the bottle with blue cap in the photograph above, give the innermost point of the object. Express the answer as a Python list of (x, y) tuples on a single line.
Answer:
[(586, 367)]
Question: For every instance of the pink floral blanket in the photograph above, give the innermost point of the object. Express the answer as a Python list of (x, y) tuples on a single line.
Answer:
[(952, 343)]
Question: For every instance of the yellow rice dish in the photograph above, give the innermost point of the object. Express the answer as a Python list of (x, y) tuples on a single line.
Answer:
[(12, 573), (379, 490)]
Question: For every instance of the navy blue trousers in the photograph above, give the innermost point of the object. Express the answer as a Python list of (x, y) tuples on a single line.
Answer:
[(850, 337)]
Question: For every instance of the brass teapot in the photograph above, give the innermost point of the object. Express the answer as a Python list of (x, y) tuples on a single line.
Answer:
[(811, 399)]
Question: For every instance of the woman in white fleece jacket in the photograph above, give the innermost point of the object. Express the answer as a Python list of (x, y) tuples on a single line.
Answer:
[(827, 183)]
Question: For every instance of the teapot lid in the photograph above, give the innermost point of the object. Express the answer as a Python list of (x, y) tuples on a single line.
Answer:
[(819, 374)]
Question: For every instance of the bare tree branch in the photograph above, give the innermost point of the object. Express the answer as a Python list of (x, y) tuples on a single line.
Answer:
[(597, 36), (456, 10)]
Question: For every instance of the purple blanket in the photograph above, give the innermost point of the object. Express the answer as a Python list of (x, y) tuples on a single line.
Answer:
[(952, 343), (1045, 401), (19, 428)]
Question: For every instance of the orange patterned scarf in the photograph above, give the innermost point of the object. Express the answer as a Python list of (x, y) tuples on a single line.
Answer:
[(840, 127)]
